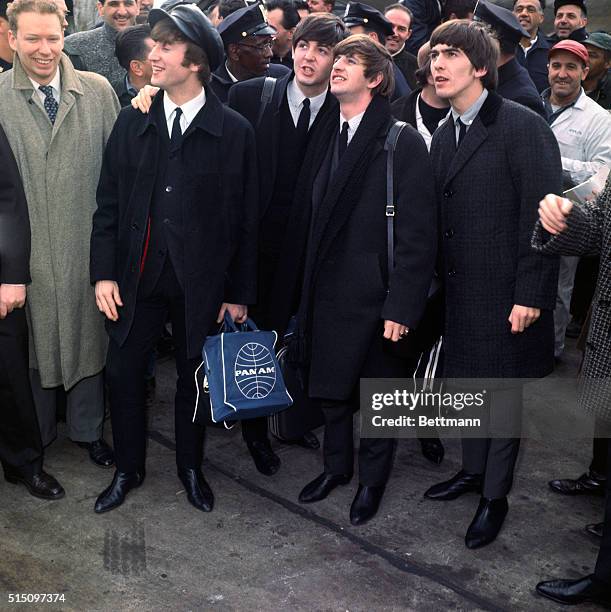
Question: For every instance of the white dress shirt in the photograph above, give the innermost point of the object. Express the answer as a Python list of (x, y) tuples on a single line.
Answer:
[(353, 124), (295, 98), (56, 84), (189, 110)]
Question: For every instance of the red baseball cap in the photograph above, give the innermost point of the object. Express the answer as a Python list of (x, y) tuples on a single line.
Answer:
[(574, 47)]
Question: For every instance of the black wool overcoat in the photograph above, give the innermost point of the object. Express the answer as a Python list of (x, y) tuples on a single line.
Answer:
[(488, 193), (219, 211)]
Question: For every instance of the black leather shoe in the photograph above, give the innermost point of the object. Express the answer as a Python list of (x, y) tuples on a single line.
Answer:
[(99, 452), (595, 529), (432, 449), (198, 490), (586, 484), (582, 590), (487, 522), (41, 484), (308, 440), (266, 461), (321, 486), (114, 495), (461, 483), (366, 503)]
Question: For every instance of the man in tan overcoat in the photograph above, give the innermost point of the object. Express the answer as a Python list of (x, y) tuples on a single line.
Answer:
[(57, 120)]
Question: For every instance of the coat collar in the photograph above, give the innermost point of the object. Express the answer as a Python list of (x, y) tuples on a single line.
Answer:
[(509, 70), (475, 137), (70, 80), (209, 118)]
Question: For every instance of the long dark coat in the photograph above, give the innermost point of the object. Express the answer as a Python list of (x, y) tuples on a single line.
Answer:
[(515, 84), (589, 232), (488, 192), (346, 270), (535, 61), (275, 303), (220, 212)]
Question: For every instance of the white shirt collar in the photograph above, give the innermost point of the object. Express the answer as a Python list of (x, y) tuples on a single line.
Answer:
[(189, 110), (353, 124), (295, 98), (233, 78), (399, 51), (56, 84)]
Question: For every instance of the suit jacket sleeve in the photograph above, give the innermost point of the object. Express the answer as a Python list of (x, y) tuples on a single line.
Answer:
[(241, 285), (583, 235), (104, 233), (14, 220), (415, 231), (536, 170)]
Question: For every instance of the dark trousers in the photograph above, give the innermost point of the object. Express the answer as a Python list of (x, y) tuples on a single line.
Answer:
[(375, 454), (495, 457), (600, 450), (602, 571), (20, 443), (254, 430), (127, 365)]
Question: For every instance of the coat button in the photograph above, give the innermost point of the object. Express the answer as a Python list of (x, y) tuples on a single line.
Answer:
[(451, 272), (166, 221), (590, 347), (448, 193), (603, 303), (135, 226), (169, 189), (449, 233)]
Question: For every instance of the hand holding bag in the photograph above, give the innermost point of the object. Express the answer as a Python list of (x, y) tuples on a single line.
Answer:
[(242, 378)]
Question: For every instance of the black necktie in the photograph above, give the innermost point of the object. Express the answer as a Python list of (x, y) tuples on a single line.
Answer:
[(343, 140), (462, 130), (176, 137), (50, 102), (303, 123)]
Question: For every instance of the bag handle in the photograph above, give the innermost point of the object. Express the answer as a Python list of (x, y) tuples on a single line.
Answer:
[(390, 145), (229, 325)]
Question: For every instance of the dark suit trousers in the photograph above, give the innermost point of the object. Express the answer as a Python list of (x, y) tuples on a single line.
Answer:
[(602, 571), (20, 443), (375, 454), (495, 457), (600, 449), (126, 367)]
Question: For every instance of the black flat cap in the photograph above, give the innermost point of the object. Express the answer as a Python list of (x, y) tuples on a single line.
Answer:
[(196, 27), (248, 21), (502, 20), (358, 14), (580, 3)]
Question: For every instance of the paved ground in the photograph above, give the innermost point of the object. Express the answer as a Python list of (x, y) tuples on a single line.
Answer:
[(260, 550)]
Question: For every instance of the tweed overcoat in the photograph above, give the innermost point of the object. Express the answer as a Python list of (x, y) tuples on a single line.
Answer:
[(60, 166), (488, 193), (589, 232)]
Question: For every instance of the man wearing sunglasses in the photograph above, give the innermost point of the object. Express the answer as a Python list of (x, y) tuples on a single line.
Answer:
[(247, 38)]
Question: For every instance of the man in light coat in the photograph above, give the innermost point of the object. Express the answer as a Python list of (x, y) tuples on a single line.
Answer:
[(57, 121)]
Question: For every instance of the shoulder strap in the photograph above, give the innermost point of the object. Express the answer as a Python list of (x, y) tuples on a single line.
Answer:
[(390, 145), (266, 96)]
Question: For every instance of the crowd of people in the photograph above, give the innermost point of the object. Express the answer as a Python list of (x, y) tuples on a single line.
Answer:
[(177, 164)]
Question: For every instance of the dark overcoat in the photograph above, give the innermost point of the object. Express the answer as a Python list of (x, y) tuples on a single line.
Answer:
[(488, 192), (535, 61), (219, 208), (275, 303), (589, 232), (515, 84), (346, 287), (221, 82)]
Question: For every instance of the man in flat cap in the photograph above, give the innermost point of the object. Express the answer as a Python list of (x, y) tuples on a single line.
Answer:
[(175, 233), (597, 83), (570, 20), (532, 52), (247, 38), (364, 19), (514, 82)]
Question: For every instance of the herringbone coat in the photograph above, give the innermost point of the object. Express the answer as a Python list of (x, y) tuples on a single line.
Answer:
[(589, 232)]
